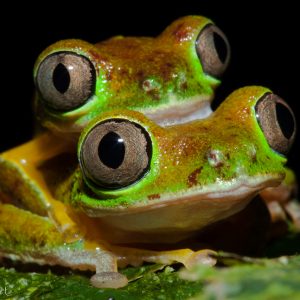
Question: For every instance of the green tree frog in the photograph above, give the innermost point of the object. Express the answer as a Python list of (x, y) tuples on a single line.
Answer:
[(170, 78), (134, 181)]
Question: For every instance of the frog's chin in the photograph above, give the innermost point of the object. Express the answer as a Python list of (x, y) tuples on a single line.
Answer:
[(171, 218), (178, 113)]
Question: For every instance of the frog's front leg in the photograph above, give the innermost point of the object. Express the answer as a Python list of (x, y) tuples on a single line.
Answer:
[(187, 257), (282, 202), (34, 226), (26, 178), (27, 237)]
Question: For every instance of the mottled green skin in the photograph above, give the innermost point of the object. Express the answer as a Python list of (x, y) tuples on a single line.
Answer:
[(183, 157), (144, 74)]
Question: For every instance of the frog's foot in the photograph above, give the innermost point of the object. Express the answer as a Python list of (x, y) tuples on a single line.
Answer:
[(30, 238), (283, 212), (282, 203), (188, 257), (104, 262), (109, 280), (293, 210)]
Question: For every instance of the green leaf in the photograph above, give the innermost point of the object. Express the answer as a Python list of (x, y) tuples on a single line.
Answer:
[(239, 278), (270, 279), (162, 285)]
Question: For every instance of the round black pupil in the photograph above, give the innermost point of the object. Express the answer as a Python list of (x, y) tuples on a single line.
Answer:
[(285, 120), (220, 46), (111, 150), (61, 78)]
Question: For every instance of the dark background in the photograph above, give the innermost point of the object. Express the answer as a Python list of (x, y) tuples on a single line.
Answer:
[(264, 41)]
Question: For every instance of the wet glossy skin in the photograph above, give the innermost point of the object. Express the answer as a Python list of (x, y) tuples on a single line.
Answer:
[(163, 77)]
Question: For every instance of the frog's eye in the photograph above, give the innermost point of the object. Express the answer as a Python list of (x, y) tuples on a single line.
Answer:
[(277, 122), (65, 80), (213, 50), (115, 154)]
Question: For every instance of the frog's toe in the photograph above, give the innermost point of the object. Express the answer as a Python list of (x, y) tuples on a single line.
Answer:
[(109, 280), (202, 257), (293, 210)]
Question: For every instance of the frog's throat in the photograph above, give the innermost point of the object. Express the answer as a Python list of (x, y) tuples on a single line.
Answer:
[(190, 110)]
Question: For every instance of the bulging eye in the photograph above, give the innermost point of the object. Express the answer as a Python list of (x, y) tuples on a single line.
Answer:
[(213, 50), (115, 154), (65, 80), (277, 122)]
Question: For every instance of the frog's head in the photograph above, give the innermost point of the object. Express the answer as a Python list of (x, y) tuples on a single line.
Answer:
[(130, 166), (170, 78)]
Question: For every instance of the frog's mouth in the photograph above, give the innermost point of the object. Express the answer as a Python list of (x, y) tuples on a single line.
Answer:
[(192, 109), (172, 113), (173, 217)]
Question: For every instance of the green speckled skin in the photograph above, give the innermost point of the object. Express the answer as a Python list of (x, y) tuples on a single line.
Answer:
[(144, 74)]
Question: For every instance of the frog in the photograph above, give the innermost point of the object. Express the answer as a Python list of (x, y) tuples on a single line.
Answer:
[(170, 78), (134, 181)]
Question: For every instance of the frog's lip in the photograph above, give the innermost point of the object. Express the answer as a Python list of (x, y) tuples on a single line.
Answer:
[(172, 113), (235, 190), (190, 109)]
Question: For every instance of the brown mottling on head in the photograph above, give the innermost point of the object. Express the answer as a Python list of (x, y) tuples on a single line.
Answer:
[(155, 95), (140, 75), (124, 72), (192, 178), (153, 196), (169, 65), (247, 110), (108, 75), (95, 55), (184, 85), (181, 32)]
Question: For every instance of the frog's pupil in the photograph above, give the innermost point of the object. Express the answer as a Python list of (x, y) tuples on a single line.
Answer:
[(220, 47), (111, 150), (285, 120), (61, 78)]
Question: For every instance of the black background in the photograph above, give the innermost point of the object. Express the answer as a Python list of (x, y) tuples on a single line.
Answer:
[(264, 38)]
